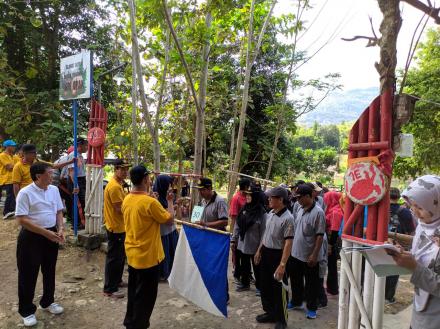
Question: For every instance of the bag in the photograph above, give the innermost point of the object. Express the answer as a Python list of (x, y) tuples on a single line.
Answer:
[(394, 225)]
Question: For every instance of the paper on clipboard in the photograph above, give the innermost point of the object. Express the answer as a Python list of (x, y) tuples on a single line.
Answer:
[(382, 263), (196, 214)]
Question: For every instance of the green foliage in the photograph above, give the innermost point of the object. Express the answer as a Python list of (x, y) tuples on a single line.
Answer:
[(424, 82)]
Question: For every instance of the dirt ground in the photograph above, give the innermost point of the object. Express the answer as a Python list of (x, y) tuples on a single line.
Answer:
[(79, 289)]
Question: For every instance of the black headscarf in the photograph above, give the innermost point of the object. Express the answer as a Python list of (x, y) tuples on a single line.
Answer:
[(161, 186), (250, 213)]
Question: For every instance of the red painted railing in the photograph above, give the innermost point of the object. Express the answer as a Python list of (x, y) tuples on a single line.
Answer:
[(370, 136), (98, 118)]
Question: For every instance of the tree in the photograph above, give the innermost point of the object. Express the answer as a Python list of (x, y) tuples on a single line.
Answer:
[(424, 81)]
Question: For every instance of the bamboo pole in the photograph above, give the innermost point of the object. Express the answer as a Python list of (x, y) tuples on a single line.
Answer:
[(200, 227), (253, 177), (356, 270), (356, 291), (378, 302), (368, 294), (344, 289)]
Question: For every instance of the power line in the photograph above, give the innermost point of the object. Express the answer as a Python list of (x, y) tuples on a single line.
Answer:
[(425, 100)]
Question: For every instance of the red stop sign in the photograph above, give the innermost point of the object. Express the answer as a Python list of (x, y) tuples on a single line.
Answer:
[(96, 137)]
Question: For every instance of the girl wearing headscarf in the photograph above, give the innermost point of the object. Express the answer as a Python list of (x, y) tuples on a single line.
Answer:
[(168, 232), (423, 196), (248, 231), (333, 219)]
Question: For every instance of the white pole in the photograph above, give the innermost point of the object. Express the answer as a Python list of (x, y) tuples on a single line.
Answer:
[(355, 289), (368, 292), (353, 310), (100, 202), (344, 290), (379, 302), (86, 210)]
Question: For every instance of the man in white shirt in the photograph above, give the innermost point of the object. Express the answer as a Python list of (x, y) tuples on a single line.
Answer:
[(39, 211)]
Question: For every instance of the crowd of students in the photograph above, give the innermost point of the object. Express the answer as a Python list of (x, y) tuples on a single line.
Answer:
[(285, 235)]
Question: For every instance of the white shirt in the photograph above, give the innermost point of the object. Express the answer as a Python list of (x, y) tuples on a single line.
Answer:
[(41, 206)]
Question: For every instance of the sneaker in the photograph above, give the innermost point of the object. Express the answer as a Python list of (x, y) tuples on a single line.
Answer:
[(123, 284), (311, 314), (257, 292), (9, 215), (390, 301), (30, 320), (53, 308), (116, 294), (265, 318), (242, 287)]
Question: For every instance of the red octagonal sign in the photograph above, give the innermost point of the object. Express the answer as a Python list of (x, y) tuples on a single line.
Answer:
[(365, 183), (96, 137)]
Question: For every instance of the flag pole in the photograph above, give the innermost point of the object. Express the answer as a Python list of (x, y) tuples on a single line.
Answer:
[(200, 227), (75, 167)]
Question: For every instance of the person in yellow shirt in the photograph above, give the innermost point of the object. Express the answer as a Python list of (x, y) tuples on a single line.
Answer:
[(6, 167), (143, 215), (114, 194), (21, 176)]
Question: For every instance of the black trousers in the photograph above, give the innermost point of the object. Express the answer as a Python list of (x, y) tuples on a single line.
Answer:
[(81, 196), (391, 286), (273, 295), (34, 251), (332, 275), (322, 296), (142, 293), (246, 271), (114, 261), (237, 264), (309, 291), (10, 198)]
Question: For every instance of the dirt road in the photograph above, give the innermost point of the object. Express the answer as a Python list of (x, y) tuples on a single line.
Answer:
[(79, 290)]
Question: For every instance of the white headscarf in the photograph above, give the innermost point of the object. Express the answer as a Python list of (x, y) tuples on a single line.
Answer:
[(425, 191)]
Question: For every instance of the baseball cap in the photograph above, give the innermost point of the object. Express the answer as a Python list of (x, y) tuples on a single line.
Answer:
[(315, 187), (28, 148), (204, 183), (297, 183), (138, 173), (278, 192), (122, 164), (9, 142), (303, 189)]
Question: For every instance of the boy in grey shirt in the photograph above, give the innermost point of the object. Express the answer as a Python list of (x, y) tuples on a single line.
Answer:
[(309, 229)]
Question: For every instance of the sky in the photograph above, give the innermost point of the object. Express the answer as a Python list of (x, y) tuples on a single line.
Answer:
[(344, 19)]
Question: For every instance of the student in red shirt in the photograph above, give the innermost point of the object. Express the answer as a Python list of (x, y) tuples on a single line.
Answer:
[(237, 202)]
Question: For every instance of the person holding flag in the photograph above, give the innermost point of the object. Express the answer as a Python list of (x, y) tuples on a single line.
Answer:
[(143, 215)]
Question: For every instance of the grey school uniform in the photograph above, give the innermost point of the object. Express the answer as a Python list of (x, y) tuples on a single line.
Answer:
[(279, 227), (427, 280), (307, 225), (252, 237), (214, 209)]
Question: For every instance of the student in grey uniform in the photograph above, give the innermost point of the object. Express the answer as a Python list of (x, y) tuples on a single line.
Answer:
[(309, 229), (272, 256), (215, 209), (248, 232), (423, 195)]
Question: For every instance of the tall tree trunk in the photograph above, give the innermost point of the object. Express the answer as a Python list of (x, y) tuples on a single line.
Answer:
[(137, 60), (274, 150), (389, 28), (250, 59), (134, 112)]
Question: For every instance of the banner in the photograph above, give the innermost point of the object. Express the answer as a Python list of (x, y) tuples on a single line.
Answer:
[(76, 76)]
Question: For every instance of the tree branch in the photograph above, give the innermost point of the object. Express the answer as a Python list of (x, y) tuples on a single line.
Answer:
[(427, 9), (372, 41)]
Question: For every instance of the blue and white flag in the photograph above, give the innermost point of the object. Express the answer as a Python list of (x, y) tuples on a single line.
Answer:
[(200, 269)]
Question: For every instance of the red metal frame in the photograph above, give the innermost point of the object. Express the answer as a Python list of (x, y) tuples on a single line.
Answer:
[(98, 118), (370, 136)]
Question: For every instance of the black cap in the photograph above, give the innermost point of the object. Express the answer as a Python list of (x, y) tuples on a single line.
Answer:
[(28, 148), (138, 173), (204, 183), (303, 189), (278, 191), (119, 163), (297, 183), (81, 141), (253, 189)]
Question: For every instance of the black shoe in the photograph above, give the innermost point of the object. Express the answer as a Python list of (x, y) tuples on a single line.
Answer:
[(265, 318), (281, 325), (241, 287)]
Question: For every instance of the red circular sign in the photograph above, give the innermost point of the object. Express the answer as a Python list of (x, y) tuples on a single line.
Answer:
[(96, 137), (365, 183)]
